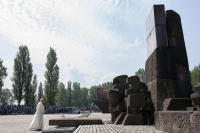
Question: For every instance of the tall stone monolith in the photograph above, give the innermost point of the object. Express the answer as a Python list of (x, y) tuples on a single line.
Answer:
[(166, 69)]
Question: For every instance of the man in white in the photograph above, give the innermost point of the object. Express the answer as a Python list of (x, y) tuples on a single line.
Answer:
[(37, 122)]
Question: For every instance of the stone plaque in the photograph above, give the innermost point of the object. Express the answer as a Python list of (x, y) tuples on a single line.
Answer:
[(156, 29)]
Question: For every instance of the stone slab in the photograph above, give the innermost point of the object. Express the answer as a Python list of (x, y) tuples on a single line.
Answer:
[(59, 130), (156, 29), (74, 122), (120, 118), (133, 119), (178, 121), (176, 104), (160, 90)]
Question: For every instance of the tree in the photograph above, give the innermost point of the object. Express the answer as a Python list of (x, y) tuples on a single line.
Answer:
[(51, 77), (195, 75), (3, 74), (92, 94), (106, 85), (6, 97), (84, 94), (22, 76), (141, 74), (40, 92), (33, 90), (69, 89), (76, 99), (61, 98)]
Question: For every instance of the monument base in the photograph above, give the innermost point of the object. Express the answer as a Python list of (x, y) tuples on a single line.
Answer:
[(133, 119), (178, 121)]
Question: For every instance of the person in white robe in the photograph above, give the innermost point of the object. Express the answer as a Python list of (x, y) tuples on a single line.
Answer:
[(37, 122)]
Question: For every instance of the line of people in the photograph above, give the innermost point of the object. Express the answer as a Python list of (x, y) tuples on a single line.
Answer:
[(14, 109)]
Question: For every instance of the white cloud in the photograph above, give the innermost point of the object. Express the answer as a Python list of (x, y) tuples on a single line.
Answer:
[(81, 32)]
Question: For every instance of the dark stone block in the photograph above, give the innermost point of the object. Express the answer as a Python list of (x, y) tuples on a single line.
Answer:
[(160, 90), (143, 87), (136, 100), (120, 81), (102, 93), (183, 90), (120, 118), (156, 66), (114, 97), (195, 99), (131, 91), (176, 104), (175, 37), (74, 122), (148, 106), (133, 119), (133, 82), (102, 104)]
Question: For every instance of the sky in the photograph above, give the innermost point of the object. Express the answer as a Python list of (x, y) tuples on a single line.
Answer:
[(95, 40)]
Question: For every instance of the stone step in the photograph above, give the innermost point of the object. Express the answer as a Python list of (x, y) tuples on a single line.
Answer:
[(59, 130), (74, 122)]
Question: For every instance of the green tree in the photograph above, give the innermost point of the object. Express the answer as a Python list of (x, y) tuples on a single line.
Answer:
[(61, 97), (76, 96), (141, 74), (3, 74), (92, 94), (22, 76), (6, 97), (33, 90), (51, 77), (69, 89), (84, 94), (106, 85), (40, 92), (195, 75)]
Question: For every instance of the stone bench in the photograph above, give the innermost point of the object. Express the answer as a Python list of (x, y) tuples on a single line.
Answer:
[(59, 130), (74, 122)]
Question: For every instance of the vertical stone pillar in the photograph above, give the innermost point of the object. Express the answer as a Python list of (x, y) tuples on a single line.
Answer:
[(166, 69), (179, 68)]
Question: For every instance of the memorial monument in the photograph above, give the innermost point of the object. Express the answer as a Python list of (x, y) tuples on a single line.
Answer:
[(166, 69), (128, 101), (167, 74)]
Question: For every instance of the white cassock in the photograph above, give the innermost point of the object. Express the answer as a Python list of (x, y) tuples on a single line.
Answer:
[(37, 122)]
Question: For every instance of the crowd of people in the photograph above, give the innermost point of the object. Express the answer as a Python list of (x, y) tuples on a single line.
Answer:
[(14, 109)]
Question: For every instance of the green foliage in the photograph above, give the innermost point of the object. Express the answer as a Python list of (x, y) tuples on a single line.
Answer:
[(22, 76), (61, 97), (76, 94), (195, 75), (141, 74), (6, 98), (33, 90), (69, 89), (3, 74), (92, 94), (40, 92), (51, 77), (106, 85), (84, 94)]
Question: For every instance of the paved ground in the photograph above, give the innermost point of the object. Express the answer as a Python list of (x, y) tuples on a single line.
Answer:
[(20, 123), (111, 128)]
